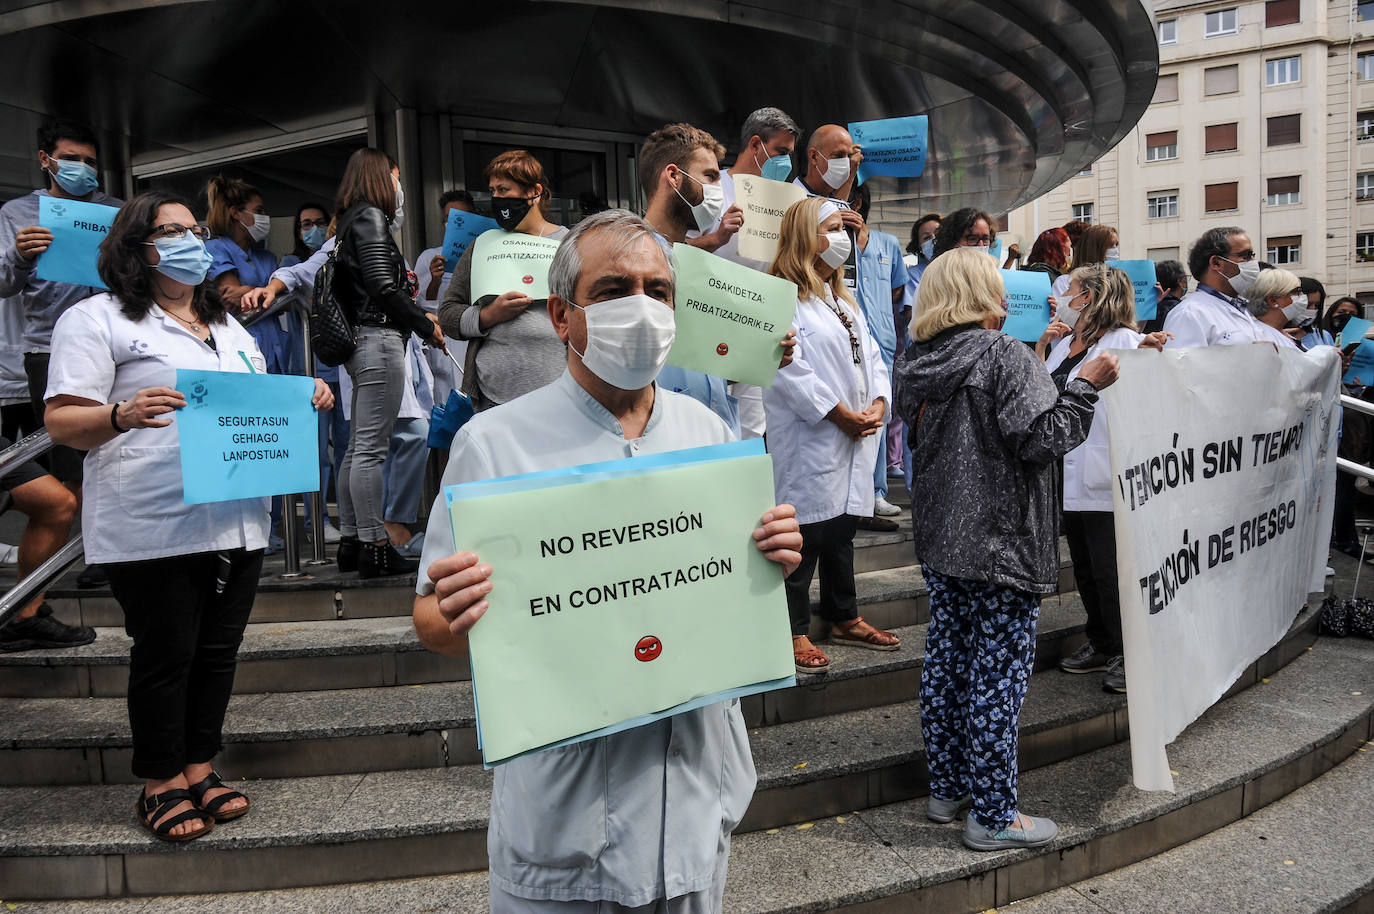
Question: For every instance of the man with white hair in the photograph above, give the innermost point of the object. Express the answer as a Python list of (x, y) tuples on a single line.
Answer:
[(640, 819)]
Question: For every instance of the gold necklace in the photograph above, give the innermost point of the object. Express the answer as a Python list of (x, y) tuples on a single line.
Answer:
[(195, 326)]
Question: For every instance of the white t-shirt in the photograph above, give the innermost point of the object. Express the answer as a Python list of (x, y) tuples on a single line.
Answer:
[(132, 503)]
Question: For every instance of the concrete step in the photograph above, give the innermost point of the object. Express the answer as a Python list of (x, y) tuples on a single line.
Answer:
[(1249, 750), (1308, 851), (309, 732), (324, 593)]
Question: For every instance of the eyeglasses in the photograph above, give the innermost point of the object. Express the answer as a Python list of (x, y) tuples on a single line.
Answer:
[(981, 241), (1242, 256), (314, 223), (172, 230)]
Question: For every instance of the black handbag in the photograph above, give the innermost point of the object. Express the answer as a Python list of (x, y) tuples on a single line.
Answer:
[(333, 330)]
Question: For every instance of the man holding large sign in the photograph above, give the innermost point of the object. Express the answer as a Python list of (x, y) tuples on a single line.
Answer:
[(68, 156), (678, 785)]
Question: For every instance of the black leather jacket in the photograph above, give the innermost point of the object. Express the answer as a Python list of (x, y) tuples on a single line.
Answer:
[(371, 274)]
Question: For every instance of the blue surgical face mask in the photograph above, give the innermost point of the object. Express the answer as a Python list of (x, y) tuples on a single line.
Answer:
[(183, 259), (928, 249), (313, 237), (76, 178)]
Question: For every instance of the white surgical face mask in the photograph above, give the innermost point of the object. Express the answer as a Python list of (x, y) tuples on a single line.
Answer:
[(1242, 281), (1113, 253), (837, 253), (1297, 309), (709, 209), (260, 229), (627, 340), (1066, 313), (836, 172)]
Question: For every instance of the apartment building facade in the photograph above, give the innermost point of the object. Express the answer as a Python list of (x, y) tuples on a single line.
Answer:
[(1263, 117)]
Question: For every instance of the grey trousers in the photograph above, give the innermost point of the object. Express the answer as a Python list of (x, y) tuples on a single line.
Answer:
[(378, 372), (707, 901)]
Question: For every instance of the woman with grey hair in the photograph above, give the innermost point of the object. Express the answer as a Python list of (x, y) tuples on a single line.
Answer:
[(1276, 300), (986, 427)]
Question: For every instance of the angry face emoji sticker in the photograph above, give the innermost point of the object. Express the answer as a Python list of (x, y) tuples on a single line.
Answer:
[(648, 648)]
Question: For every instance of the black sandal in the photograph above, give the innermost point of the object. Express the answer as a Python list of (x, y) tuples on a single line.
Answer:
[(211, 782), (149, 807)]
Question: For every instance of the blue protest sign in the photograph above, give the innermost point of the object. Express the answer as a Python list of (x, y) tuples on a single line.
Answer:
[(246, 435), (459, 232), (894, 146), (1356, 329), (1142, 276), (77, 230), (1361, 365), (1028, 304), (995, 251)]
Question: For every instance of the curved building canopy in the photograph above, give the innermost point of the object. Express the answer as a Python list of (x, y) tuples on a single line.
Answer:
[(1021, 94)]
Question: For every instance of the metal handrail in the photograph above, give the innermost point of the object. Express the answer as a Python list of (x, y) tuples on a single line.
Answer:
[(39, 579), (1358, 405), (24, 450), (1350, 466)]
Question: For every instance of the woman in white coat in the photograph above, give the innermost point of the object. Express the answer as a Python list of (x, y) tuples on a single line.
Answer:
[(1096, 314), (825, 415)]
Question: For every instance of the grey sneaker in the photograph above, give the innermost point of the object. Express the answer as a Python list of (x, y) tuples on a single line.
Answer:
[(42, 631), (945, 811), (981, 838), (1115, 680), (1087, 659)]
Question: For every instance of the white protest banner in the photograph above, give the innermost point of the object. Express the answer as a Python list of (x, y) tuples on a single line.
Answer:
[(1224, 459), (764, 202)]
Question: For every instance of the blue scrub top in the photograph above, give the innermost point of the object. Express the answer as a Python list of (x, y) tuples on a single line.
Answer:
[(281, 337), (881, 270)]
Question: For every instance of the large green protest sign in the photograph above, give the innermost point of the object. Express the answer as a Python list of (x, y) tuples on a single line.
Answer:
[(612, 591), (730, 319), (511, 262)]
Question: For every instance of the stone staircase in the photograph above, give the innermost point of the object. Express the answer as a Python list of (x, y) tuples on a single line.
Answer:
[(367, 783)]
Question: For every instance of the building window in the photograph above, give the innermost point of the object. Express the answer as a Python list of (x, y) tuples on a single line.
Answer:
[(1162, 205), (1364, 65), (1087, 172), (1364, 125), (1285, 250), (1282, 70), (1159, 255), (1166, 90), (1282, 12), (1083, 212), (1364, 247), (1283, 191), (1161, 146), (1221, 80), (1220, 138), (1168, 31), (1222, 22), (1364, 12), (1364, 186), (1284, 130), (1219, 198)]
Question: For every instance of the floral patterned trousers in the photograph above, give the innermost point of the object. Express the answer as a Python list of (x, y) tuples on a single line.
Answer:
[(980, 649)]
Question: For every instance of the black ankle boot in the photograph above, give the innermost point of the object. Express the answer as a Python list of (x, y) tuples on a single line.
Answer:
[(375, 561), (347, 556)]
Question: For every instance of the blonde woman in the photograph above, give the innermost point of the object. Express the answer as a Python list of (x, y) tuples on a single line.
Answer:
[(825, 415), (1276, 299), (1095, 315), (986, 428)]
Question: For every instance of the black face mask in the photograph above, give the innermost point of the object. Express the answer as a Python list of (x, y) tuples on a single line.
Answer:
[(509, 211), (1339, 321)]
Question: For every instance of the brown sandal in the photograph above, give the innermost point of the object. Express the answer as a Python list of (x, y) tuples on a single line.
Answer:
[(874, 640), (810, 660)]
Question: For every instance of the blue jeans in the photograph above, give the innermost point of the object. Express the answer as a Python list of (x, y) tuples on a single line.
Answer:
[(880, 470), (404, 474), (333, 428), (377, 368), (980, 649)]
